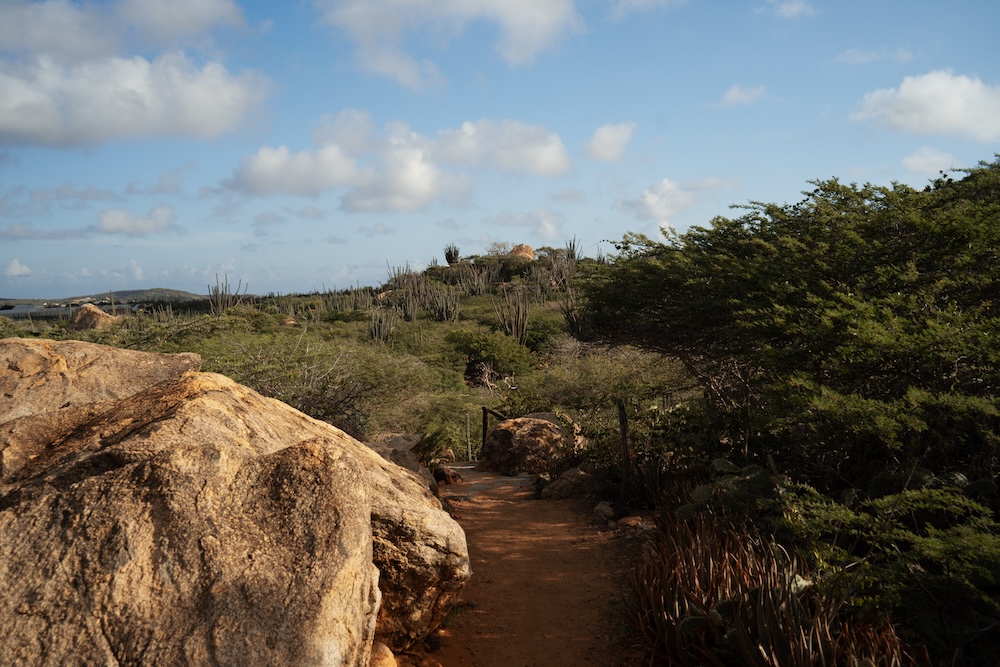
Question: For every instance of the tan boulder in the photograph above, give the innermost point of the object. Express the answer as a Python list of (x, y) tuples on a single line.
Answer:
[(382, 656), (523, 251), (181, 518), (525, 444), (89, 316)]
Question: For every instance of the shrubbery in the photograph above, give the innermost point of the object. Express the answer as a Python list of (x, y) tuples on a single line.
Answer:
[(850, 341)]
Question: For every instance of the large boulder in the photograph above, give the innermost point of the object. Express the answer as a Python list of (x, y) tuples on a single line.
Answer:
[(525, 444), (89, 316), (574, 483), (400, 450), (156, 515)]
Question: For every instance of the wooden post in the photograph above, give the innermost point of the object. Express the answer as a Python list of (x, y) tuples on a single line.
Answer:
[(626, 451), (486, 426)]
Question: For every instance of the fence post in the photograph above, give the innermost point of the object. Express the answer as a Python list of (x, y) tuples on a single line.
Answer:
[(626, 451), (486, 426)]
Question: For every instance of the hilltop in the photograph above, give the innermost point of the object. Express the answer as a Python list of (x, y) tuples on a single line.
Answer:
[(152, 295)]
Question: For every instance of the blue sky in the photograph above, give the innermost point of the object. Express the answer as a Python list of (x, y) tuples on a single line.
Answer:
[(314, 144)]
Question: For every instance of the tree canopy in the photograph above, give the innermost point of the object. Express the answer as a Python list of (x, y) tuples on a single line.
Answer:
[(852, 334)]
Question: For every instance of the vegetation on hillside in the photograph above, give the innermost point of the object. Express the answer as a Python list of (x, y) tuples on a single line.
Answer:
[(815, 383)]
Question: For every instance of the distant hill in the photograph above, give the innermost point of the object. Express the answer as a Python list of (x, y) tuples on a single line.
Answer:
[(123, 296)]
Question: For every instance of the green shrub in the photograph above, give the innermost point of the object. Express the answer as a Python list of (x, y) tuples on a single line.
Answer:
[(501, 352)]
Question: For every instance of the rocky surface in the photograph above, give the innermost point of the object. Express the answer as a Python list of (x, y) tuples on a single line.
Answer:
[(526, 444), (574, 483), (156, 515), (89, 316)]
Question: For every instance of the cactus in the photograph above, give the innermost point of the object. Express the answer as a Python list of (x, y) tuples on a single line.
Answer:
[(381, 323)]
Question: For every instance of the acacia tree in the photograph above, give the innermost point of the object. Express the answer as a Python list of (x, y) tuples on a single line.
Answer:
[(850, 334)]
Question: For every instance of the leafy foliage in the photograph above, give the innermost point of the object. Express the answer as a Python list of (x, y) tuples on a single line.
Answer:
[(848, 334), (851, 338)]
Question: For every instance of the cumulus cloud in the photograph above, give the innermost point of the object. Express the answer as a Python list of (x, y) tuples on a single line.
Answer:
[(738, 95), (546, 224), (70, 30), (68, 81), (790, 9), (57, 27), (659, 203), (858, 57), (50, 104), (407, 178), (938, 102), (135, 270), (609, 142), (397, 169), (928, 161), (177, 19), (506, 145), (120, 221), (15, 269), (308, 172), (379, 28)]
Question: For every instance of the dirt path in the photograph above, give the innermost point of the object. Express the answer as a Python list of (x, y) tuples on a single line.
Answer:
[(546, 586)]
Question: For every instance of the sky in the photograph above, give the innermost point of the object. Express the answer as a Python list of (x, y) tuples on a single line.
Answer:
[(320, 144)]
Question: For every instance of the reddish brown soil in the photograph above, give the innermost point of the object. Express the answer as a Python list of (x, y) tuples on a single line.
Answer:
[(547, 584)]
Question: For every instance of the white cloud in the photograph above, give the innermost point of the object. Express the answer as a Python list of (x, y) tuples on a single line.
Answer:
[(659, 203), (738, 95), (790, 9), (407, 178), (397, 169), (50, 104), (307, 173), (135, 270), (623, 8), (857, 57), (506, 145), (379, 28), (57, 27), (546, 224), (938, 102), (928, 161), (609, 142), (67, 79), (68, 30), (177, 19), (15, 269), (120, 221), (352, 130)]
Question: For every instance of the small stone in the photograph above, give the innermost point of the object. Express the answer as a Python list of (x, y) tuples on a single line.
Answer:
[(382, 656), (605, 510)]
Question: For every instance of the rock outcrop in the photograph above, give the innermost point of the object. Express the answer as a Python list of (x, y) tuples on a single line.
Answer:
[(89, 316), (157, 515), (525, 444), (574, 483), (523, 251)]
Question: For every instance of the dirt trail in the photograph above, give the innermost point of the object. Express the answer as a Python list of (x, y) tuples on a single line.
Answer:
[(546, 586)]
